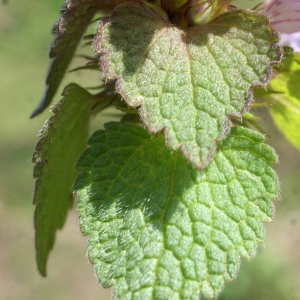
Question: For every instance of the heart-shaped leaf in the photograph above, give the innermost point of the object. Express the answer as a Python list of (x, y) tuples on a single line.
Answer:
[(160, 228), (187, 82)]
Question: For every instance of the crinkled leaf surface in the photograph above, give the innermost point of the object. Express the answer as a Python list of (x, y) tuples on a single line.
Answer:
[(187, 82), (62, 140), (76, 15), (160, 228), (286, 110)]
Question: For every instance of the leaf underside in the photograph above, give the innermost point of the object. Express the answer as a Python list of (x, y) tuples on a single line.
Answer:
[(160, 228), (187, 82), (286, 109), (76, 16), (62, 140)]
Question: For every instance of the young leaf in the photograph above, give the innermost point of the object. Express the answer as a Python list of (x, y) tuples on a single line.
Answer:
[(62, 139), (187, 82), (160, 228), (286, 110), (76, 16)]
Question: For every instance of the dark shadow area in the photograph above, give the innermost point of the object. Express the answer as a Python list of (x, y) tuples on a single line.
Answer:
[(137, 171)]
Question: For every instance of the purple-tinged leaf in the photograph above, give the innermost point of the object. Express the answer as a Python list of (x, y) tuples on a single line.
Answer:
[(187, 82), (75, 17)]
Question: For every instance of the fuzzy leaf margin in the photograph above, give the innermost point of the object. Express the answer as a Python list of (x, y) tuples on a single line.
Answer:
[(76, 15), (159, 228), (187, 82), (62, 140)]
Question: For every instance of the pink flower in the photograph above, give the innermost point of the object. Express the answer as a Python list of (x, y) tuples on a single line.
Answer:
[(284, 15)]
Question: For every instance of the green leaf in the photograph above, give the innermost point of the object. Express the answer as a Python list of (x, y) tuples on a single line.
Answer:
[(286, 109), (187, 83), (76, 16), (62, 139), (160, 228)]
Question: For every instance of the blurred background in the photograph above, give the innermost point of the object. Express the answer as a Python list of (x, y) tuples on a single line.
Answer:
[(25, 37)]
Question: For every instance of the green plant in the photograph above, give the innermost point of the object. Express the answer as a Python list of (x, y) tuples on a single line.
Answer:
[(173, 195)]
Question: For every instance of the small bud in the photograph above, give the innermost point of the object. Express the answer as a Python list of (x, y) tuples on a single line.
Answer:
[(200, 13)]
